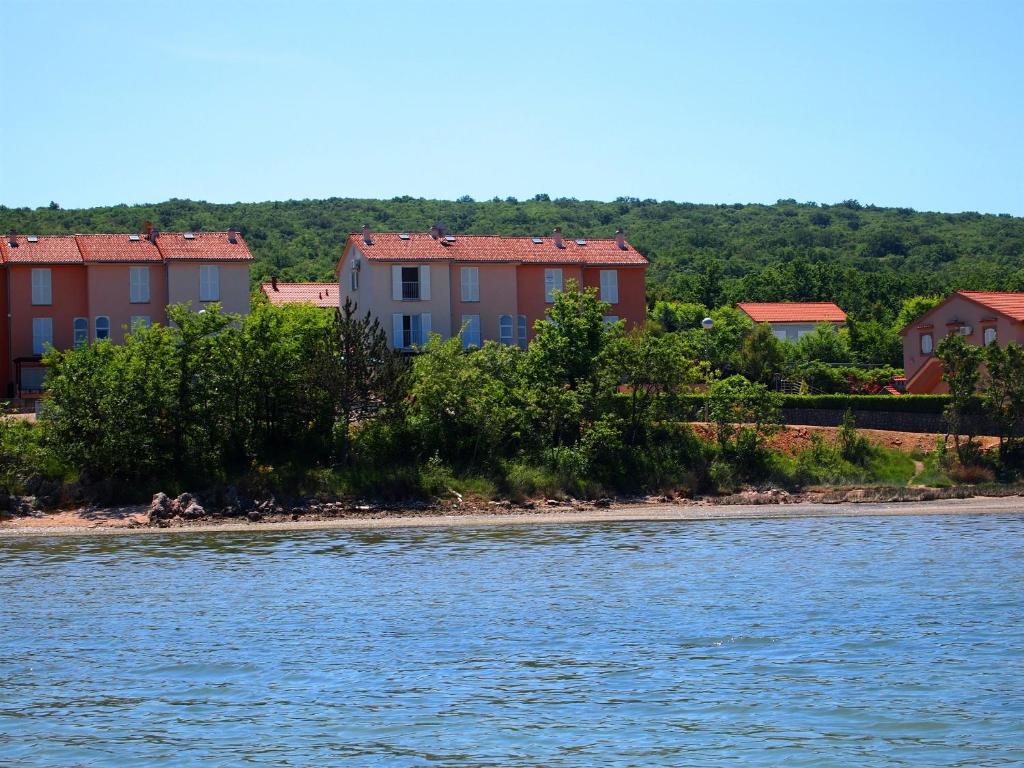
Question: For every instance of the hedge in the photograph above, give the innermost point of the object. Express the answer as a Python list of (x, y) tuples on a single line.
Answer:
[(693, 403)]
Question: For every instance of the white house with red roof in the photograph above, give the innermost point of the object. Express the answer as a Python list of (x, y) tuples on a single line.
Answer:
[(487, 287), (980, 317), (790, 320)]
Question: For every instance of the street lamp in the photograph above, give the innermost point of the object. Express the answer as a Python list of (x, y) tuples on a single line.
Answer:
[(707, 324)]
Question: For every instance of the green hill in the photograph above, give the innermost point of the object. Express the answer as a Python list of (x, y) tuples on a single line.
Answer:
[(864, 257)]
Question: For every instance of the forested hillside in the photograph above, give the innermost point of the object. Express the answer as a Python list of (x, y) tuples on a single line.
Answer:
[(864, 257)]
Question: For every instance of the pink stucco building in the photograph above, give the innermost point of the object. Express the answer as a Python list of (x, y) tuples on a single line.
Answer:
[(981, 317), (69, 290), (487, 287)]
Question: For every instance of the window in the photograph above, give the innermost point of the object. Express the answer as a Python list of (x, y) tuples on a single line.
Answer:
[(80, 328), (469, 278), (41, 287), (410, 283), (138, 290), (523, 331), (505, 329), (552, 283), (990, 335), (410, 330), (470, 331), (610, 286), (355, 280), (32, 378), (42, 334), (780, 334), (610, 319), (209, 283), (139, 320), (926, 343), (102, 327)]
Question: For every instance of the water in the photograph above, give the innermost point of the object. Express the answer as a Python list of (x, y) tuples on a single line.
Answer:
[(871, 641)]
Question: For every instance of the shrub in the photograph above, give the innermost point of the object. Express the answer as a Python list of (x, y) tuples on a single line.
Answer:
[(971, 474)]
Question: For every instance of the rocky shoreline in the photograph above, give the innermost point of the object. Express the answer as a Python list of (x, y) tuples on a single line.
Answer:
[(226, 507)]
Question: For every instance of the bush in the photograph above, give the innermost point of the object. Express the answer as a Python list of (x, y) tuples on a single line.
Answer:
[(970, 474)]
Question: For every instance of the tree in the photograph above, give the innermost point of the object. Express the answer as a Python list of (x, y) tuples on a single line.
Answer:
[(358, 370), (745, 414), (1003, 393), (960, 370), (761, 354), (825, 344)]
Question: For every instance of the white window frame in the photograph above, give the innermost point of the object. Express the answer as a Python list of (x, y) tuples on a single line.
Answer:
[(609, 286), (42, 334), (469, 284), (138, 285), (471, 335), (42, 286), (522, 331), (410, 330), (506, 329), (209, 282), (80, 335), (989, 335), (930, 345), (96, 327), (552, 283)]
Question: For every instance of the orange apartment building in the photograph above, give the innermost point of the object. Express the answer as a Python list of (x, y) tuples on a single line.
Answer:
[(493, 287), (69, 290)]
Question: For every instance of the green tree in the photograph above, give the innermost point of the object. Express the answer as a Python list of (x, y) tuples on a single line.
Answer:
[(961, 371), (1003, 392), (745, 414)]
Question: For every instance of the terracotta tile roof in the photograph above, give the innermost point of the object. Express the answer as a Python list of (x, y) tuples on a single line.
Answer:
[(116, 248), (1008, 304), (793, 312), (420, 246), (80, 249), (321, 294), (202, 246), (48, 249)]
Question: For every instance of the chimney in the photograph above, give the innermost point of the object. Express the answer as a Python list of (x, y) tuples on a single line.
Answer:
[(366, 235), (232, 235), (620, 238), (556, 236), (435, 231), (273, 283), (152, 235), (12, 239)]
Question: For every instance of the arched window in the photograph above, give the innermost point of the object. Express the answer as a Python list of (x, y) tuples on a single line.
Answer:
[(81, 328), (926, 343), (505, 328), (990, 335), (102, 327)]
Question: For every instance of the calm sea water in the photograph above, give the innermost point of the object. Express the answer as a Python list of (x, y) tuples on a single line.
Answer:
[(846, 642)]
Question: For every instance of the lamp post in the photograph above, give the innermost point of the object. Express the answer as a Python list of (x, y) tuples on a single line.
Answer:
[(707, 324)]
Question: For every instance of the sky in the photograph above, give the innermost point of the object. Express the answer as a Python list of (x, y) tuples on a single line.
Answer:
[(916, 104)]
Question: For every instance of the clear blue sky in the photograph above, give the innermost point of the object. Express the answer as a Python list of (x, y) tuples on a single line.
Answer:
[(916, 104)]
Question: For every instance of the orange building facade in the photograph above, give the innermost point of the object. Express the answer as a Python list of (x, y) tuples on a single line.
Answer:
[(66, 291), (484, 287)]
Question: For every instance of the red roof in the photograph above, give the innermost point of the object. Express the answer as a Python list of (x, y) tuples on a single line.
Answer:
[(49, 249), (202, 246), (1005, 303), (116, 248), (793, 312), (321, 294), (420, 246), (80, 249)]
